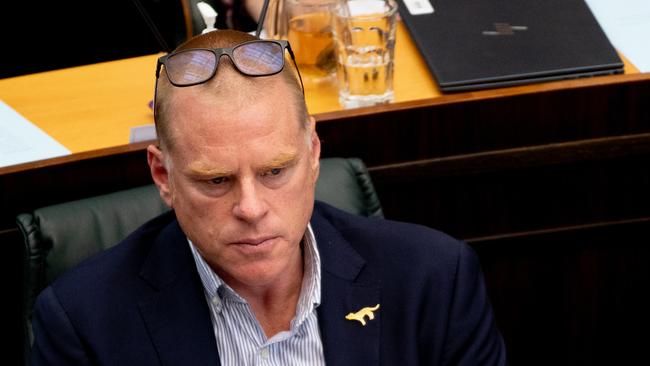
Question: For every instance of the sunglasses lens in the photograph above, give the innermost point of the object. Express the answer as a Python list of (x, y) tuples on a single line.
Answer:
[(259, 58), (190, 67)]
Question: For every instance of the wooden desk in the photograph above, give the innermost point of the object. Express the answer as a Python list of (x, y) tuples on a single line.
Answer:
[(548, 182), (93, 107)]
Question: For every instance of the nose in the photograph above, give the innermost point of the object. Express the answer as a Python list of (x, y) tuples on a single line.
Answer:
[(249, 205)]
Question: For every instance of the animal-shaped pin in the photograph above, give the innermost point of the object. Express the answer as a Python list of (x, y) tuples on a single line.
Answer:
[(361, 314)]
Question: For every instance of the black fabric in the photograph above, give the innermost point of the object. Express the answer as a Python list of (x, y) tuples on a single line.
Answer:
[(60, 236)]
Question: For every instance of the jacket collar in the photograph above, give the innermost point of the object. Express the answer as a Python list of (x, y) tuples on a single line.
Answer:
[(346, 287), (178, 318)]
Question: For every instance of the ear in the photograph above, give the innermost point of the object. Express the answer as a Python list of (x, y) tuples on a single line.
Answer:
[(315, 148), (159, 173)]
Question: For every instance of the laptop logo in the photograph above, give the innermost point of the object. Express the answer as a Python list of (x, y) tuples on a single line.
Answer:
[(504, 29)]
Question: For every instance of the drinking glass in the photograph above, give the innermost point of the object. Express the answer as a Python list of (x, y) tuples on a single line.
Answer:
[(310, 34), (364, 34)]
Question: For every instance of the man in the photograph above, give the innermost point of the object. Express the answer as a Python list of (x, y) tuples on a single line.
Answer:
[(246, 269)]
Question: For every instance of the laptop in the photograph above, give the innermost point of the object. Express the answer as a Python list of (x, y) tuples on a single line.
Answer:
[(480, 44)]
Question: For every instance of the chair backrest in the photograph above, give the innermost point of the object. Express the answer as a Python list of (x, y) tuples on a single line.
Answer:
[(60, 236)]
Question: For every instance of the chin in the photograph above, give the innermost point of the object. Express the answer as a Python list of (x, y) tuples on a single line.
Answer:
[(258, 274)]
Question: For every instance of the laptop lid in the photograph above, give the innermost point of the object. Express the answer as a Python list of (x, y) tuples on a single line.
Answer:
[(477, 44)]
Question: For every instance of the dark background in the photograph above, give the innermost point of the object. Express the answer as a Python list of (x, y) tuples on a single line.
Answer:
[(48, 35)]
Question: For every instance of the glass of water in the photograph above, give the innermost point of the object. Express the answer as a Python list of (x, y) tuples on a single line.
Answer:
[(364, 34)]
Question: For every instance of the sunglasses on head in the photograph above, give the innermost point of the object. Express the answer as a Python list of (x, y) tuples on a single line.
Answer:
[(198, 65)]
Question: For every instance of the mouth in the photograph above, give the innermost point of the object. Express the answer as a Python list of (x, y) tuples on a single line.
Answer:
[(256, 241), (255, 246)]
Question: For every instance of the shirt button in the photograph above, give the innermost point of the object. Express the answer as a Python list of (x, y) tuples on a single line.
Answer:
[(264, 353), (216, 301)]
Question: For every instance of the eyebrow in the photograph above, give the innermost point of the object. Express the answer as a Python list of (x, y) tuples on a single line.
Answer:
[(197, 169), (283, 159)]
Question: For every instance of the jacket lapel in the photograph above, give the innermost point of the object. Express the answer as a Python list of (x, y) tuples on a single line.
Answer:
[(177, 316), (345, 289)]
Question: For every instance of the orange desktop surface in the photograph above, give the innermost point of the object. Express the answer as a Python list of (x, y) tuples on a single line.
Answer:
[(94, 106)]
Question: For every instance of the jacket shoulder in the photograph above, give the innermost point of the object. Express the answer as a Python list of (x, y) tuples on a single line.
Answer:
[(116, 264), (380, 237)]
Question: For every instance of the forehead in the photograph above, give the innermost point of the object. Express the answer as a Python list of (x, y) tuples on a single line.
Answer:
[(202, 117), (229, 88)]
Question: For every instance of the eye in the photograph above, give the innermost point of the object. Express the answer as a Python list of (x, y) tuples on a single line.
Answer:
[(273, 172), (218, 180), (277, 177)]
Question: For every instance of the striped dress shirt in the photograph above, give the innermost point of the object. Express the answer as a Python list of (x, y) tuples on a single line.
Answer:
[(240, 338)]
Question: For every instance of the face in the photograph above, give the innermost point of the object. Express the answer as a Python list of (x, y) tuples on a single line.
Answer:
[(241, 180)]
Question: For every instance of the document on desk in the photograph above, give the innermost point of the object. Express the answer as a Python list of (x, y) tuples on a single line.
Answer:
[(627, 25), (21, 141)]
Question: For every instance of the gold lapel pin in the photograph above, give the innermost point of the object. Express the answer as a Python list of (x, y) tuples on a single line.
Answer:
[(361, 314)]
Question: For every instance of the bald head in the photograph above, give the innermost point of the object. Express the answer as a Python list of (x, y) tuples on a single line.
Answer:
[(228, 89)]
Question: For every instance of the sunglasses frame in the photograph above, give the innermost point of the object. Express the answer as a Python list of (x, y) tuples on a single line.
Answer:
[(218, 52)]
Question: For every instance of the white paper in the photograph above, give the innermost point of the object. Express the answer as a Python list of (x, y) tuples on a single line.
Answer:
[(21, 141), (142, 133), (627, 25)]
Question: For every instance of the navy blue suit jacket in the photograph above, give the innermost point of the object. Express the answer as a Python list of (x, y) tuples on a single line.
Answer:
[(142, 302)]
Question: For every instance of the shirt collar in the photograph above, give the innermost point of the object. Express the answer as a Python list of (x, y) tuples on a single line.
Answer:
[(310, 292)]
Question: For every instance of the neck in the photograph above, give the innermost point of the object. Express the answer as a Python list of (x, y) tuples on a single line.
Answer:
[(274, 302)]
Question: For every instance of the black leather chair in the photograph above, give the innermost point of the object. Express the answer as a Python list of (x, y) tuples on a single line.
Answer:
[(60, 236)]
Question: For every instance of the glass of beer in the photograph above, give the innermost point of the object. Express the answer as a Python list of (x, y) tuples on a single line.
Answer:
[(310, 35), (364, 32)]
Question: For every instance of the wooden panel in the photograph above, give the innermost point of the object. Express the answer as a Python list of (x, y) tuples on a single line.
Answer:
[(572, 296), (424, 131), (521, 189), (29, 186)]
